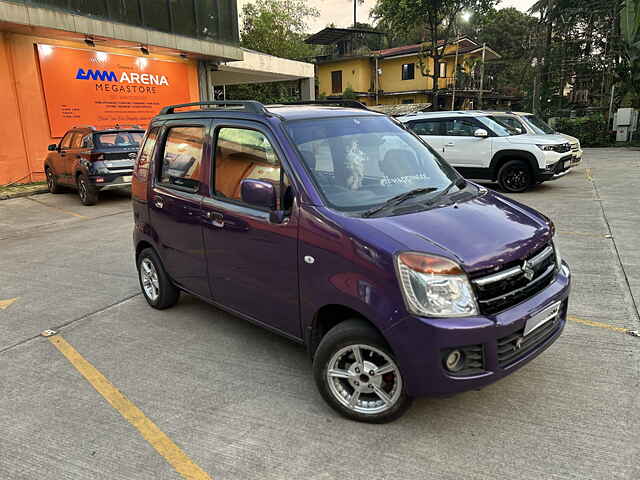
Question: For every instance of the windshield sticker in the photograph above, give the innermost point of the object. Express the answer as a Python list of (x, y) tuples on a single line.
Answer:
[(404, 180), (354, 165)]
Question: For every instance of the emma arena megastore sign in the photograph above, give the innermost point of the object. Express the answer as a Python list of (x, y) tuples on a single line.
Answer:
[(103, 89)]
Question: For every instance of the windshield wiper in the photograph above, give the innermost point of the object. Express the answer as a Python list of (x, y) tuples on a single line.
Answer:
[(460, 183), (398, 199)]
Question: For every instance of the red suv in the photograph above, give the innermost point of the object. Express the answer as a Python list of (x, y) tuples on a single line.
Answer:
[(91, 160)]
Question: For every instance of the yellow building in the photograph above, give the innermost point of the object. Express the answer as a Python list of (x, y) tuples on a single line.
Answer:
[(395, 75)]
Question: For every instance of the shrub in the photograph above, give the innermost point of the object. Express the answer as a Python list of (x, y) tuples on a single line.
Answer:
[(592, 131)]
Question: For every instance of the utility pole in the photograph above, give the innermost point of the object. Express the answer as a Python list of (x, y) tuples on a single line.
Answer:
[(484, 50), (355, 22), (455, 74)]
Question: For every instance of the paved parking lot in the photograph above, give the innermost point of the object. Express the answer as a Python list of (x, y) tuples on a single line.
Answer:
[(240, 402)]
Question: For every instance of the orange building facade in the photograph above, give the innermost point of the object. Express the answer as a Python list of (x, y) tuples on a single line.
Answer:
[(80, 85)]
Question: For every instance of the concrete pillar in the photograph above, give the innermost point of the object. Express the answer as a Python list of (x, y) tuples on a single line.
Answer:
[(308, 88), (203, 81)]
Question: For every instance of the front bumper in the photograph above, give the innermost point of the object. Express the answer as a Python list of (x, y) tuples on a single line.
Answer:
[(419, 342), (556, 170)]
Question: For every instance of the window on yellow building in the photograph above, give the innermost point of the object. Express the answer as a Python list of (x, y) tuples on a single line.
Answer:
[(408, 71), (336, 81), (443, 70)]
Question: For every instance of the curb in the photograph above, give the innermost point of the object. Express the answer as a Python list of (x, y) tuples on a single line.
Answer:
[(9, 196)]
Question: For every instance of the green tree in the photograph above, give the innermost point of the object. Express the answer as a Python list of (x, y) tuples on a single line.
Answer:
[(277, 27), (436, 22), (508, 31), (629, 70)]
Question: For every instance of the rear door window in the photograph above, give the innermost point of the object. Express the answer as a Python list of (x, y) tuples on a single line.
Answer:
[(181, 157)]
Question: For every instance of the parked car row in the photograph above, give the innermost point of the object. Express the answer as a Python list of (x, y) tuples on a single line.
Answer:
[(512, 149), (342, 230)]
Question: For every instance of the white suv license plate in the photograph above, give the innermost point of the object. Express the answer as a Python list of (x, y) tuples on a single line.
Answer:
[(547, 315), (567, 163)]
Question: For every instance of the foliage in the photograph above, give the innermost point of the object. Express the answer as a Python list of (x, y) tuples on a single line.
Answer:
[(592, 131), (508, 31), (267, 93), (629, 70), (349, 94), (277, 27)]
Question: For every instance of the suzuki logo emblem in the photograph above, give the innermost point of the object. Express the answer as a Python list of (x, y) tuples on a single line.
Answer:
[(519, 343), (527, 270), (132, 155)]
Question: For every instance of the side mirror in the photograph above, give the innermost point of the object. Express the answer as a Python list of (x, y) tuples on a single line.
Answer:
[(53, 147), (258, 193), (481, 133)]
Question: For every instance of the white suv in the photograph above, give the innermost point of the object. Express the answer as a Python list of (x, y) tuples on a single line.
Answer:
[(480, 146)]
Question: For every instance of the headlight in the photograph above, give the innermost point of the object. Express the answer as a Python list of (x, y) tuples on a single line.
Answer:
[(435, 286), (561, 148), (558, 256)]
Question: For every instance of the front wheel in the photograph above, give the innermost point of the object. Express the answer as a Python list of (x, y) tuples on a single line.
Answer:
[(357, 374), (515, 176)]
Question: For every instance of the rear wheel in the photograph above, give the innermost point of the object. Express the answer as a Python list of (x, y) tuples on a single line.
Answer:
[(515, 176), (358, 375), (156, 287), (52, 183), (88, 193)]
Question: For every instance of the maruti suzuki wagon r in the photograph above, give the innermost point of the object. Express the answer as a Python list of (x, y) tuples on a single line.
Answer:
[(342, 230)]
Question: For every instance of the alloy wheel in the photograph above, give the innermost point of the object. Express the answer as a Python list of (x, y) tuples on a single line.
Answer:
[(364, 379), (149, 277), (516, 178), (51, 184), (82, 189)]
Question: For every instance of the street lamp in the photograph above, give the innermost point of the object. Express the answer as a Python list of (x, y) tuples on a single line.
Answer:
[(465, 18)]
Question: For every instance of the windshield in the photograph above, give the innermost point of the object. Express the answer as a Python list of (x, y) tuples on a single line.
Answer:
[(497, 127), (540, 126), (118, 139), (360, 162)]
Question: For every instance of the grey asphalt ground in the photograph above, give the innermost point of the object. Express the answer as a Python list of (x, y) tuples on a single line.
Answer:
[(241, 402)]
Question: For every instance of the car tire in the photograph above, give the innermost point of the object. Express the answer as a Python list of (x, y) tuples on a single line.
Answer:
[(52, 183), (349, 381), (88, 193), (155, 284), (515, 176)]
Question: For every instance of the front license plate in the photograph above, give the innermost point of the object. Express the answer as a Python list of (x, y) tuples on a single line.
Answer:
[(567, 163), (547, 315), (127, 178)]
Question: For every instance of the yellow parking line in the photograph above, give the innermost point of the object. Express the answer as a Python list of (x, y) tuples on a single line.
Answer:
[(591, 323), (151, 433), (57, 208), (587, 172)]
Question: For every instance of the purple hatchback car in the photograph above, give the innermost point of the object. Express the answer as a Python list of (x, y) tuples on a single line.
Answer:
[(340, 229)]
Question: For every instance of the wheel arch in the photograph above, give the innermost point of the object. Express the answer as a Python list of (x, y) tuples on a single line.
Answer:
[(503, 156), (327, 317)]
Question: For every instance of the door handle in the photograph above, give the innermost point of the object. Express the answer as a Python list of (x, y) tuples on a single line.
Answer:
[(217, 219), (450, 144), (158, 202)]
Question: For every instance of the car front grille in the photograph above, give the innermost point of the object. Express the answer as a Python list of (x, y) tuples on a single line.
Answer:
[(515, 283), (514, 346), (574, 147)]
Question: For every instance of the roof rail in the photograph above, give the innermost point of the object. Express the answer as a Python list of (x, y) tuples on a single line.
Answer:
[(118, 126), (84, 126), (247, 105), (339, 103)]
